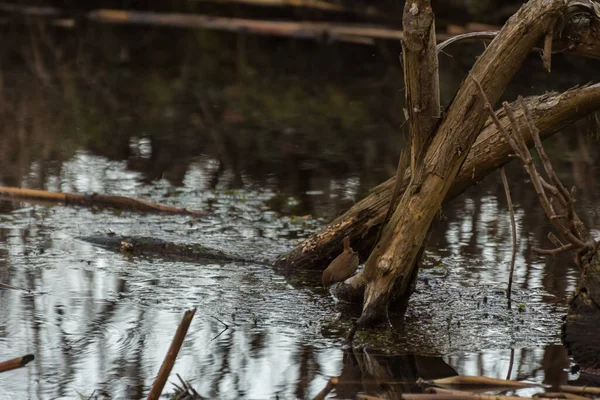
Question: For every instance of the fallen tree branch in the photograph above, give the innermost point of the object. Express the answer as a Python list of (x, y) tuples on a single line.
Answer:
[(353, 33), (389, 272), (93, 200), (553, 252), (517, 143), (551, 112)]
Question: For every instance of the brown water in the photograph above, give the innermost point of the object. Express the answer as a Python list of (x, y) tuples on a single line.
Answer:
[(274, 145)]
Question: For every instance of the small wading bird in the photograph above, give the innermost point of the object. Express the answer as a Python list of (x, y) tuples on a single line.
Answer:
[(342, 267)]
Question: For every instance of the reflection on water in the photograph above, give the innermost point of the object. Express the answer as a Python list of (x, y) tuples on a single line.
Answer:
[(272, 156)]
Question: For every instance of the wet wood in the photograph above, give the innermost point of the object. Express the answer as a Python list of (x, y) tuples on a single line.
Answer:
[(92, 200), (449, 396), (389, 276), (481, 381), (544, 395), (581, 329), (558, 204), (352, 33), (169, 361), (551, 112), (467, 393), (581, 390), (513, 229), (15, 363), (422, 102), (421, 78)]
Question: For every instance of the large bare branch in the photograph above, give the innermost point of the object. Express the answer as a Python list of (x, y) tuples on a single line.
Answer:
[(389, 270), (556, 189), (550, 112)]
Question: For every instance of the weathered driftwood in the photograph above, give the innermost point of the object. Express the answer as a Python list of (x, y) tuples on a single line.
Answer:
[(579, 38)]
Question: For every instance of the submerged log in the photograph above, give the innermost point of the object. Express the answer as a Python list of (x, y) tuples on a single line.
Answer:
[(551, 112)]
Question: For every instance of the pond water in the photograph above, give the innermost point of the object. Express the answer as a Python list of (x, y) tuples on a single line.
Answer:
[(274, 146)]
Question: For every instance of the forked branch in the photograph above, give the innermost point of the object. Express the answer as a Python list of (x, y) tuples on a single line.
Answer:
[(555, 199)]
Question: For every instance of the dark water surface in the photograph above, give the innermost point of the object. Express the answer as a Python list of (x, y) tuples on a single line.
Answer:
[(274, 141)]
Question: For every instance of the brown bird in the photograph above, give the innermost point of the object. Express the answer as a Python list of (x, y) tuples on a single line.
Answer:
[(342, 267)]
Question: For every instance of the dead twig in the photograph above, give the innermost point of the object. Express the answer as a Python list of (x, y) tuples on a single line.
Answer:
[(15, 363), (553, 252), (485, 35), (514, 234), (510, 363), (6, 286), (574, 230), (547, 51), (185, 391), (403, 164), (224, 329), (169, 361)]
